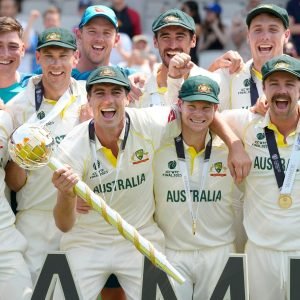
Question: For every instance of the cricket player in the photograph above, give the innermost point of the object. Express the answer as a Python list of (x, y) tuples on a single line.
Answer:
[(271, 209), (15, 280), (193, 193), (268, 31), (115, 160), (55, 99)]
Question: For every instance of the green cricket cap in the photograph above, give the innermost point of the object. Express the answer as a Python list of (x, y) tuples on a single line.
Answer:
[(108, 74), (271, 9), (174, 17), (56, 37), (283, 63), (200, 88)]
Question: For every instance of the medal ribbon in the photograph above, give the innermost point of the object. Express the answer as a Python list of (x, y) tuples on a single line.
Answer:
[(185, 175), (253, 88), (284, 181)]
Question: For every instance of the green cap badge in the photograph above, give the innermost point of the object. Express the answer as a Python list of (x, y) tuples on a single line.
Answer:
[(200, 88), (174, 17), (108, 74), (283, 63), (55, 36)]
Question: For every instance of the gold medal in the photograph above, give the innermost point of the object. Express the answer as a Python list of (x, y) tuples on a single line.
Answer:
[(285, 201), (194, 227)]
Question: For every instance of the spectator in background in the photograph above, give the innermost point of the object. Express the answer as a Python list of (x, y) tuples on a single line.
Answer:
[(293, 9), (214, 37), (83, 5), (128, 19), (140, 58), (238, 38), (125, 45), (52, 17), (250, 5), (9, 8), (192, 9), (290, 49)]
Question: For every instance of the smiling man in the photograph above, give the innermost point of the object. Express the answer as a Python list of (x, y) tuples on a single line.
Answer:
[(11, 52), (96, 36), (174, 35), (115, 160), (54, 98), (267, 33), (272, 189), (193, 193)]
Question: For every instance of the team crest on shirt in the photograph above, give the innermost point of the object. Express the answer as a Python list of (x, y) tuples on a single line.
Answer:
[(171, 170), (139, 156), (245, 89), (172, 164), (218, 169), (98, 170), (246, 82), (260, 141), (260, 136), (41, 115)]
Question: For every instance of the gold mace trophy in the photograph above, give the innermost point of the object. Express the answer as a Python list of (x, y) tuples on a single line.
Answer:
[(31, 147)]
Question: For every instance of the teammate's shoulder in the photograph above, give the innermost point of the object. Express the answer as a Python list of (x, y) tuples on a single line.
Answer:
[(76, 74), (24, 79), (166, 147), (238, 114), (78, 132), (19, 99)]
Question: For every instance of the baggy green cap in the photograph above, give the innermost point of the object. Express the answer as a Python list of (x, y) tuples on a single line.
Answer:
[(174, 17), (283, 63), (200, 88), (56, 37), (271, 9), (108, 74)]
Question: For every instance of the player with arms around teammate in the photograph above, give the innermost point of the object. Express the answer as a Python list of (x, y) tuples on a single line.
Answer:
[(192, 187), (272, 190), (115, 160)]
